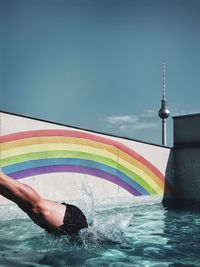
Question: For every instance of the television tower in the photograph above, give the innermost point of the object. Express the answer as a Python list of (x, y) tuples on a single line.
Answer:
[(164, 112)]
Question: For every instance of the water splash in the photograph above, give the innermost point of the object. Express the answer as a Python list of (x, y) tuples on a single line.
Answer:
[(88, 201), (110, 230), (105, 227)]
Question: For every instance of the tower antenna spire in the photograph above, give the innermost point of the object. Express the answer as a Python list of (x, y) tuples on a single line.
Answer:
[(164, 112), (163, 79)]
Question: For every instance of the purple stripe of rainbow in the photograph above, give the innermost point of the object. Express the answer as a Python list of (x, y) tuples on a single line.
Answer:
[(76, 169)]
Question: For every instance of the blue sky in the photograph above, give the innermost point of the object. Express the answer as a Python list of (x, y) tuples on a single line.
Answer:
[(97, 64)]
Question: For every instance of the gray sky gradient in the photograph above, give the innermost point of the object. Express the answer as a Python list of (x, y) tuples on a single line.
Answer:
[(97, 64)]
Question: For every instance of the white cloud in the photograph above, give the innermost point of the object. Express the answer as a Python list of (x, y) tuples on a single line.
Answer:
[(180, 112), (145, 119), (149, 113), (118, 120), (145, 125)]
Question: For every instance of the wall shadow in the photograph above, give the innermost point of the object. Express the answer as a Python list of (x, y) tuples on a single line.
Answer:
[(169, 196)]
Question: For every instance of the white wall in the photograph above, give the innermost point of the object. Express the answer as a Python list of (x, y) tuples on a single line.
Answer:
[(72, 186)]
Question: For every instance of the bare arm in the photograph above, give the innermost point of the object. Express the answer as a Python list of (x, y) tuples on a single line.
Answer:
[(45, 213), (18, 192)]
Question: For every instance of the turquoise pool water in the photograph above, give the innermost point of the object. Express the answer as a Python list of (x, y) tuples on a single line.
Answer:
[(148, 235)]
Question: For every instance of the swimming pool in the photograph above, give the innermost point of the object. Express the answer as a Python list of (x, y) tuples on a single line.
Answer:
[(145, 235)]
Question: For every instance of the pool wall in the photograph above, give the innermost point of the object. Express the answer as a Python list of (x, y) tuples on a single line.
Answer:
[(187, 157), (66, 163)]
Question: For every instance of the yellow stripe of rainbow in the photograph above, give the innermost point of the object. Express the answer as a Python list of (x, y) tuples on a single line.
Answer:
[(28, 146)]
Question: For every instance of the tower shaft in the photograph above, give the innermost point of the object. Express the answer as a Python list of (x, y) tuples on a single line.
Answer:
[(164, 126), (164, 112)]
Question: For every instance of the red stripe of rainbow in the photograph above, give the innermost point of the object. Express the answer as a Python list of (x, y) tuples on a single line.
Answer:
[(75, 159)]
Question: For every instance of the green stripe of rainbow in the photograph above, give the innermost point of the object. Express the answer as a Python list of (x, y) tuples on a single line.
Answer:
[(42, 151)]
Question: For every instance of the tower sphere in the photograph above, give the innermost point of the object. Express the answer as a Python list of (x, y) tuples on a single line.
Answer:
[(164, 113)]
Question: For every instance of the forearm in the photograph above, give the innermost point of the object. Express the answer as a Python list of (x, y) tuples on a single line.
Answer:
[(16, 191), (4, 186), (7, 185), (4, 178)]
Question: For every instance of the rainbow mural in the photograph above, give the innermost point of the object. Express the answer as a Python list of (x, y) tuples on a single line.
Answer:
[(36, 152)]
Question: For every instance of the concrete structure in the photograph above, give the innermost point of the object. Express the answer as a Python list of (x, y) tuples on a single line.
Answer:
[(67, 163), (187, 157)]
